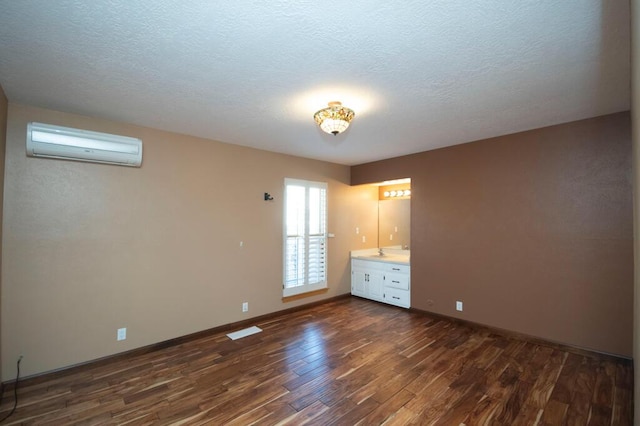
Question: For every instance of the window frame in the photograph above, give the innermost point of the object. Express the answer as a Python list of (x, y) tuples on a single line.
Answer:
[(306, 287)]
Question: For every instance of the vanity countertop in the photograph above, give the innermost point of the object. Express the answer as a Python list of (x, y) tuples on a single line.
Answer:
[(391, 256)]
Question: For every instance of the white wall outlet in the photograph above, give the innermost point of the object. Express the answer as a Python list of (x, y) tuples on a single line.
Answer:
[(245, 306), (459, 306), (357, 230), (364, 239), (241, 244), (122, 334)]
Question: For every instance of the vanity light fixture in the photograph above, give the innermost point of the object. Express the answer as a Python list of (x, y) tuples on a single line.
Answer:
[(398, 193), (335, 118)]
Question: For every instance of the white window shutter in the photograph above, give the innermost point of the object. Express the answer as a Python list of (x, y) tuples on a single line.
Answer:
[(305, 236)]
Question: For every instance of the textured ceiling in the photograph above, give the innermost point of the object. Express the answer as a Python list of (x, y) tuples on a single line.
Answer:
[(419, 74)]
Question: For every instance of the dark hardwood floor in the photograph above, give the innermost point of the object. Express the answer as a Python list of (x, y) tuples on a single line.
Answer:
[(345, 362)]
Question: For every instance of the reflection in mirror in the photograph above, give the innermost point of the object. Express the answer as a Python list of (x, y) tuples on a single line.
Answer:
[(394, 214), (394, 223)]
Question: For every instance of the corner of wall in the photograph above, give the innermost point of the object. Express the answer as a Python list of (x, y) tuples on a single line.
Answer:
[(4, 106), (635, 137)]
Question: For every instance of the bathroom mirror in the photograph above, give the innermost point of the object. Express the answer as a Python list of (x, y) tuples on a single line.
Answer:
[(394, 223)]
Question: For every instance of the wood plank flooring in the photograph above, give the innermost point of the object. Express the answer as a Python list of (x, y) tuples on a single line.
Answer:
[(346, 362)]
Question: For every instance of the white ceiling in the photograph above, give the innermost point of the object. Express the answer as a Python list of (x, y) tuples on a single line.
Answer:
[(420, 74)]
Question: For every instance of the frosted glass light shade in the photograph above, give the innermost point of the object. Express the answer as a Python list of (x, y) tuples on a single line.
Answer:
[(334, 119)]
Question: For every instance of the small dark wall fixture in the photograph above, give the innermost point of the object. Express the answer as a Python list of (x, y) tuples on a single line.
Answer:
[(268, 197)]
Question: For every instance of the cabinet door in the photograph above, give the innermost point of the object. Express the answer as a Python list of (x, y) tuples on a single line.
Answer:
[(375, 282), (358, 282)]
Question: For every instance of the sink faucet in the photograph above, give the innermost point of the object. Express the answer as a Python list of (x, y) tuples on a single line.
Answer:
[(380, 252)]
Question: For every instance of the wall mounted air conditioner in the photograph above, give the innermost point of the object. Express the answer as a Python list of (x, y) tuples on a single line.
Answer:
[(46, 140)]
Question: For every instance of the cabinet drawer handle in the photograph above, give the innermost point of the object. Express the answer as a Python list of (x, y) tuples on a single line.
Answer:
[(397, 282), (396, 269), (396, 297)]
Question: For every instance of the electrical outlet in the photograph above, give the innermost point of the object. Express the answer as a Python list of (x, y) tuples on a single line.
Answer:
[(122, 334), (459, 306), (364, 239), (245, 306)]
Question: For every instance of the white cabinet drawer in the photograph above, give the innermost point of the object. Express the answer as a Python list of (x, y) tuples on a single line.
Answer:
[(400, 281), (397, 297), (397, 268)]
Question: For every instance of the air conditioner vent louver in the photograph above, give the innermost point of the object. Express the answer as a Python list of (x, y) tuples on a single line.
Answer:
[(46, 140)]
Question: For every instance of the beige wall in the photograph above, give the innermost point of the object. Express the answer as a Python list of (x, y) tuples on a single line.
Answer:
[(532, 231), (4, 106), (89, 248)]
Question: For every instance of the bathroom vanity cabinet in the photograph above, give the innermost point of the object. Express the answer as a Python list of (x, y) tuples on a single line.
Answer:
[(382, 280)]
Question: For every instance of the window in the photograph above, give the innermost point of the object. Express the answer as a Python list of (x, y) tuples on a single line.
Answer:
[(305, 236)]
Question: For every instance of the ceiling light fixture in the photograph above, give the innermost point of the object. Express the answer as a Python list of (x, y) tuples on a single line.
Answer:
[(335, 118)]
